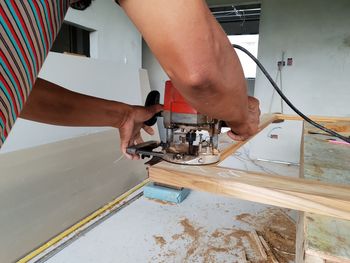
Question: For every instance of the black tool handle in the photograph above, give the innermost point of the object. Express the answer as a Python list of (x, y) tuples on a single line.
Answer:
[(152, 99)]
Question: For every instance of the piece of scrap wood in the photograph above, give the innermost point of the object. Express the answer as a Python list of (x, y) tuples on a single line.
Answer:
[(242, 257), (268, 250), (257, 241)]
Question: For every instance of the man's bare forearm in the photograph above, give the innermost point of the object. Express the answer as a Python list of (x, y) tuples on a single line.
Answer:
[(52, 104), (195, 53)]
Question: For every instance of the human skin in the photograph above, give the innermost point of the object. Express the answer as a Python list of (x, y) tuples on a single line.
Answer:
[(52, 104), (197, 56)]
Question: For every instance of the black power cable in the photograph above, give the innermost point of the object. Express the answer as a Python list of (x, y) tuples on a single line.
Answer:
[(290, 104)]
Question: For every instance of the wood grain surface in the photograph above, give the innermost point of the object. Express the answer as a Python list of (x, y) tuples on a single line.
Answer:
[(295, 193)]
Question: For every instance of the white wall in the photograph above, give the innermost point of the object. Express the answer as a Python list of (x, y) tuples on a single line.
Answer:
[(117, 38), (157, 76), (315, 33), (111, 73), (157, 79)]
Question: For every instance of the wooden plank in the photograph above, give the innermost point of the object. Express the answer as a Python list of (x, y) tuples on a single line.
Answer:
[(300, 241), (300, 233), (313, 117), (294, 193), (325, 238), (254, 236), (268, 250), (227, 146)]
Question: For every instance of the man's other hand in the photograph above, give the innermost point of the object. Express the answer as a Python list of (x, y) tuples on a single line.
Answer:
[(130, 129), (241, 132)]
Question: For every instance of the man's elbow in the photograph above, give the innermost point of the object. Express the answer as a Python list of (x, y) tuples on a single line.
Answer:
[(198, 81)]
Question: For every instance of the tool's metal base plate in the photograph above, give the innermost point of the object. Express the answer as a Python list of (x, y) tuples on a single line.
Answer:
[(190, 160)]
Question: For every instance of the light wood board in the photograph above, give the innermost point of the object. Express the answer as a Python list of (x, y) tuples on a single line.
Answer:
[(299, 194), (316, 118)]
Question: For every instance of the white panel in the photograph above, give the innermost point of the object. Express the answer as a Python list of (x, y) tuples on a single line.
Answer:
[(286, 147)]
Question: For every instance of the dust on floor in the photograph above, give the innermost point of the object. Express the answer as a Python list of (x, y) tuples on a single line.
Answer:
[(275, 230)]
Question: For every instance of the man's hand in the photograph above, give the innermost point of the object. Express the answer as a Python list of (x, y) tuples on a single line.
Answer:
[(241, 132), (130, 129)]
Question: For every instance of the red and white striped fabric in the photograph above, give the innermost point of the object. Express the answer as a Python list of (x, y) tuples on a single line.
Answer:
[(27, 31)]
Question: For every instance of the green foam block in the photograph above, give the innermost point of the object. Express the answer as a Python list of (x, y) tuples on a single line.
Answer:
[(164, 193)]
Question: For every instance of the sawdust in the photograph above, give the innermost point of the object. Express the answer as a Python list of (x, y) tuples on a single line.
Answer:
[(227, 244), (235, 235), (243, 216), (177, 236), (161, 201), (208, 255), (192, 232), (217, 233), (159, 240)]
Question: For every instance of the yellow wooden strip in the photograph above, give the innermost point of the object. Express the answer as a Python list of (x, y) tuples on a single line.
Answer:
[(294, 193), (81, 223), (291, 117)]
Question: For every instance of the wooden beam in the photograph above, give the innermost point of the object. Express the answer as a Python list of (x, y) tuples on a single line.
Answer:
[(290, 117), (294, 193)]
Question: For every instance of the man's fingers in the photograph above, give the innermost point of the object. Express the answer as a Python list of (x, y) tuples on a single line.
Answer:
[(148, 129), (151, 110), (124, 145), (138, 140), (235, 136), (125, 134)]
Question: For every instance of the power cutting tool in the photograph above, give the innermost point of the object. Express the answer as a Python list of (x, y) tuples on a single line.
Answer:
[(191, 137)]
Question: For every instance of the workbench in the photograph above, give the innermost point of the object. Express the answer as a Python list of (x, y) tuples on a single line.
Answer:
[(321, 238)]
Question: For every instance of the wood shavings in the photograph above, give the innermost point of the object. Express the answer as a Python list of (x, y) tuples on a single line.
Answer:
[(277, 229), (270, 240), (257, 241), (162, 202), (159, 240)]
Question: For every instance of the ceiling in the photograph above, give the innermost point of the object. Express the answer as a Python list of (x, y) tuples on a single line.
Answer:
[(238, 19)]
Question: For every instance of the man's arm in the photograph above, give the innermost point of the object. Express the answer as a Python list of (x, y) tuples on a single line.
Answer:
[(50, 103), (197, 56)]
